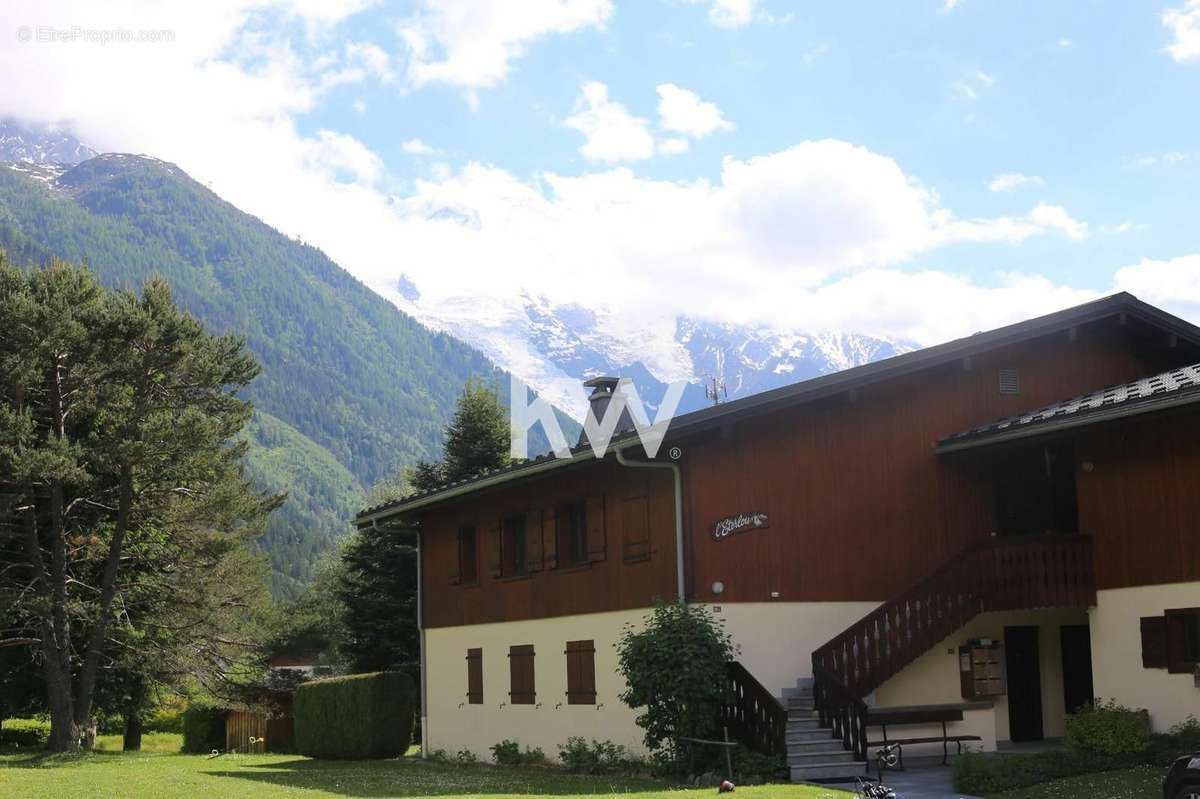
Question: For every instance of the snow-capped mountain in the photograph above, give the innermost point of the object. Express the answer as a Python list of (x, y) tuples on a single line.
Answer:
[(555, 347), (40, 145)]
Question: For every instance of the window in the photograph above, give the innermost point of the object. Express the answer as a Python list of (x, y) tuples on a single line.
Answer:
[(581, 672), (520, 671), (1154, 642), (468, 556), (512, 546), (475, 676), (571, 529), (1183, 640)]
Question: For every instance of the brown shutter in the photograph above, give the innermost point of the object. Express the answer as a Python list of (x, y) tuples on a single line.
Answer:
[(1177, 622), (475, 676), (456, 567), (1154, 642), (520, 670), (550, 541), (496, 554), (581, 672), (635, 523), (533, 541), (597, 543)]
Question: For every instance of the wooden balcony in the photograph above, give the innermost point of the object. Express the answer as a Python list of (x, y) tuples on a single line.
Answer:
[(1007, 573)]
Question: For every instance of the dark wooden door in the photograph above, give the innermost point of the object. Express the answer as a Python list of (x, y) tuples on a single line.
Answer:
[(1024, 683), (1076, 666)]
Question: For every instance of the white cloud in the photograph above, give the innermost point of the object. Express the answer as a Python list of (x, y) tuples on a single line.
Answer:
[(338, 155), (359, 106), (1169, 158), (730, 13), (471, 43), (612, 133), (1064, 42), (1008, 181), (674, 146), (682, 111), (1184, 25), (949, 5), (418, 147), (970, 87), (1173, 284)]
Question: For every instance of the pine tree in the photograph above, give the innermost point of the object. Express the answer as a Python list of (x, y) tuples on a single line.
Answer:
[(479, 437)]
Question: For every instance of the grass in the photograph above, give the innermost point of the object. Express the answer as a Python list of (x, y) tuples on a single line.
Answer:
[(1133, 783), (147, 774)]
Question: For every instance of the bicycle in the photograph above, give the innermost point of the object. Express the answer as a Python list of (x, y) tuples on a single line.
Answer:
[(886, 757)]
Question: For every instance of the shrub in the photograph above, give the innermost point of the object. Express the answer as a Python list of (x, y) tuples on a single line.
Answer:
[(355, 717), (465, 757), (24, 733), (983, 774), (203, 728), (508, 753), (748, 763), (1107, 728), (598, 757), (675, 672)]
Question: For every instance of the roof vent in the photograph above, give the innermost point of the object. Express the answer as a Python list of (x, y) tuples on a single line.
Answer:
[(1010, 381)]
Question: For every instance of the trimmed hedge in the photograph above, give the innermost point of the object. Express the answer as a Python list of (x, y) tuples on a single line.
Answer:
[(355, 717), (203, 728)]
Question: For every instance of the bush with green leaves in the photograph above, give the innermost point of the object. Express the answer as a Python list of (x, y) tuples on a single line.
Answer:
[(203, 727), (748, 764), (597, 757), (1108, 728), (675, 671), (508, 753), (24, 733), (358, 716)]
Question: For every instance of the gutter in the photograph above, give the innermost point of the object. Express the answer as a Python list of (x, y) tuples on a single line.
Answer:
[(1068, 423), (621, 459)]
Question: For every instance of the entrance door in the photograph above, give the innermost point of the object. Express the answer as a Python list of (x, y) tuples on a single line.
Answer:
[(1024, 684), (1076, 666)]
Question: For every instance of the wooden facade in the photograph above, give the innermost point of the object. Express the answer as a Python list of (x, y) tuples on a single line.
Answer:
[(851, 503), (1139, 498), (630, 538)]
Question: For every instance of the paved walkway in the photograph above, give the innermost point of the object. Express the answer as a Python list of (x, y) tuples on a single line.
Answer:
[(922, 782)]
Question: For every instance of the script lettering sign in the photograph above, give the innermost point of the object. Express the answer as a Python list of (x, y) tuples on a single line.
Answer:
[(738, 523)]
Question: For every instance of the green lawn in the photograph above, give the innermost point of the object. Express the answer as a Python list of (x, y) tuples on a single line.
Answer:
[(104, 774), (1144, 782)]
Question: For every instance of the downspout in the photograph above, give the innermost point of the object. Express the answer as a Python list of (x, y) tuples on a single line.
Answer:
[(420, 643), (621, 459)]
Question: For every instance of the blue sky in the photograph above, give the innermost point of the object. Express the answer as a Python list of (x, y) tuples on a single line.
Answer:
[(830, 164)]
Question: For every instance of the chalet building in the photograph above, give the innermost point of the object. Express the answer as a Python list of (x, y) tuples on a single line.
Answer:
[(962, 543)]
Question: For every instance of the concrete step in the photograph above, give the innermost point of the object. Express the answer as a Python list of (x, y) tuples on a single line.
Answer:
[(801, 713), (840, 771), (801, 703), (799, 736), (806, 758), (815, 745), (795, 725)]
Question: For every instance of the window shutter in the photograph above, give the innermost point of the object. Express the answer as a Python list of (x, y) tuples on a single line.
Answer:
[(520, 670), (1182, 657), (596, 541), (581, 672), (1154, 642), (497, 549), (635, 542), (550, 542), (475, 676), (456, 568), (533, 541)]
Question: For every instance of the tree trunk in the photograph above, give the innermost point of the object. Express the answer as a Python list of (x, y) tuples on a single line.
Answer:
[(131, 741), (64, 734)]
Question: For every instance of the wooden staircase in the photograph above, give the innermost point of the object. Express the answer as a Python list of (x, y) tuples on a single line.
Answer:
[(1006, 573)]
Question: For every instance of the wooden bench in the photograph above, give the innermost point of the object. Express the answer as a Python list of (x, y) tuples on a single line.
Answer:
[(921, 714)]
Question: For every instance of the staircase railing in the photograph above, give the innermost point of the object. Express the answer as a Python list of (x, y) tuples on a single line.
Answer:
[(752, 714), (841, 711), (1001, 574)]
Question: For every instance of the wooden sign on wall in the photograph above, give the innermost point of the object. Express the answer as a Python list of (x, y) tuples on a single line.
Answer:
[(738, 523)]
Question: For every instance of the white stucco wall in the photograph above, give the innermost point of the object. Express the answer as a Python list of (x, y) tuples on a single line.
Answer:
[(1117, 671), (933, 678), (546, 724)]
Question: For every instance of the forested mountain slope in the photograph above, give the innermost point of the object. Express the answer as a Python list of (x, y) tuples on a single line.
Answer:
[(352, 389)]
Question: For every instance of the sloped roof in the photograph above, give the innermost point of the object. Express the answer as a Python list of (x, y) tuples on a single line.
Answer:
[(824, 386), (1157, 392)]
